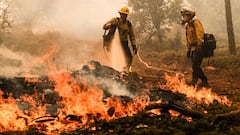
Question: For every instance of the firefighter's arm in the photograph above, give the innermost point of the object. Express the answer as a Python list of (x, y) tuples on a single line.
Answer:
[(132, 35), (188, 43), (199, 32), (188, 49), (110, 23)]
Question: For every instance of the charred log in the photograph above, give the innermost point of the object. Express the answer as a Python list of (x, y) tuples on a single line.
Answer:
[(18, 86), (230, 116), (171, 106), (45, 119), (74, 118)]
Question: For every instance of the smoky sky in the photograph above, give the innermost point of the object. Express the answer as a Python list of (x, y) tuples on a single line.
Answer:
[(83, 18)]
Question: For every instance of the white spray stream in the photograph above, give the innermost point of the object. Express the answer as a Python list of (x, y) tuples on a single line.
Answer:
[(118, 60)]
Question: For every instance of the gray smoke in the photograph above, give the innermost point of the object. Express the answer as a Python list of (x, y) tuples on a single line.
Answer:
[(83, 18)]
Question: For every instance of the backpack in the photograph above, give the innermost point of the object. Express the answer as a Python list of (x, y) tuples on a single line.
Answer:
[(209, 44)]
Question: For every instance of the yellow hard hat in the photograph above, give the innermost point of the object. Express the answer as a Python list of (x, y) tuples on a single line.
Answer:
[(124, 10), (188, 12)]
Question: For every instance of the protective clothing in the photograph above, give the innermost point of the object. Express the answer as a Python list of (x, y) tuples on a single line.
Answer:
[(195, 39), (197, 72), (124, 10), (194, 34), (188, 54), (126, 32), (125, 29)]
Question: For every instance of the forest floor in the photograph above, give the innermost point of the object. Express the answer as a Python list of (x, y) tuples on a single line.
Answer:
[(221, 70)]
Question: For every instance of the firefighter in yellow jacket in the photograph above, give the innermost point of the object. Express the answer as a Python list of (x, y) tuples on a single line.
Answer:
[(194, 38), (126, 32)]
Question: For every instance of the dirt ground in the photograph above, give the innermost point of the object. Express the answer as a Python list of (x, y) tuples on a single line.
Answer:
[(223, 73)]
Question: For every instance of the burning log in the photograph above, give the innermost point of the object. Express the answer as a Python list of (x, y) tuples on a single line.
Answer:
[(111, 111), (171, 106), (18, 86), (74, 117), (45, 118)]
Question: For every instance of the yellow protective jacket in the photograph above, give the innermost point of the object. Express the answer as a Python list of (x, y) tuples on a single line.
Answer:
[(194, 34), (125, 29)]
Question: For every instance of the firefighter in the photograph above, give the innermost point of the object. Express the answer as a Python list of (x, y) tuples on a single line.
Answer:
[(126, 32), (194, 38)]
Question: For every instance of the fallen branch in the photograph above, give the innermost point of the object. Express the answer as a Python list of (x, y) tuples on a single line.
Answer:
[(225, 116), (175, 107)]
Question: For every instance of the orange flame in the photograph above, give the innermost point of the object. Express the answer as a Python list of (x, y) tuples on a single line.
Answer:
[(12, 118), (80, 99), (203, 95), (83, 101)]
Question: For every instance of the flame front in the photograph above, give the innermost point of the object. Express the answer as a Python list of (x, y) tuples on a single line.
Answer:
[(12, 118), (77, 99), (83, 101), (203, 95), (86, 103)]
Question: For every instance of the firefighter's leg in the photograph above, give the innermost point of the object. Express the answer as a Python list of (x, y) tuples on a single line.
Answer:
[(194, 78), (196, 63), (203, 78), (198, 73), (128, 55)]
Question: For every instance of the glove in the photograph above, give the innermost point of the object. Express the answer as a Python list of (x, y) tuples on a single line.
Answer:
[(188, 54), (134, 47)]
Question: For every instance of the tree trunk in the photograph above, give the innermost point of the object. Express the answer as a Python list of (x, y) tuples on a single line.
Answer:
[(231, 41)]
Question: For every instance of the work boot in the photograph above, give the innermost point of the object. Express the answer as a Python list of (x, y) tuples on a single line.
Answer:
[(192, 83), (194, 79), (126, 69), (204, 83)]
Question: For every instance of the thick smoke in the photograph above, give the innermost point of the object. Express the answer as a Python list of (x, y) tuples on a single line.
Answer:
[(83, 18), (76, 21)]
